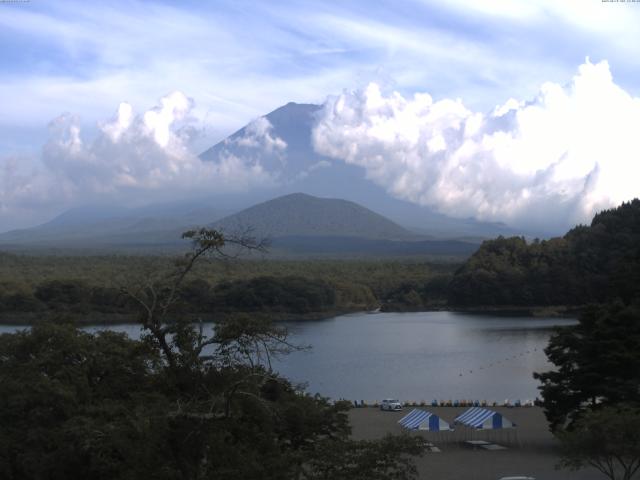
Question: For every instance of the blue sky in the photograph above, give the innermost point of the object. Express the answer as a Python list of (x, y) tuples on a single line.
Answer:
[(240, 59)]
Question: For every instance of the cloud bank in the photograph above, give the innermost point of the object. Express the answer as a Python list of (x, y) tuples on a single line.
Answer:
[(544, 164), (132, 159), (547, 164)]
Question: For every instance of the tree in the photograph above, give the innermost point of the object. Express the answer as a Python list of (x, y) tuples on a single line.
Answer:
[(76, 405), (596, 263), (159, 296), (597, 363), (607, 439), (180, 404)]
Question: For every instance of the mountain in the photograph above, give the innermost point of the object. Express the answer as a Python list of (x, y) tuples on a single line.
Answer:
[(297, 225), (297, 168), (303, 225), (300, 169), (292, 123), (106, 227), (299, 214)]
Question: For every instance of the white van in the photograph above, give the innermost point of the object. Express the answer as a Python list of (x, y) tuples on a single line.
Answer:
[(391, 404)]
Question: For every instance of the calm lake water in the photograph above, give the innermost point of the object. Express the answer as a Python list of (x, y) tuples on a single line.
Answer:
[(415, 356)]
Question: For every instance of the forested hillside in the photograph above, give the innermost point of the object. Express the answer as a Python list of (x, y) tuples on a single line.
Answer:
[(90, 287), (304, 215), (595, 263)]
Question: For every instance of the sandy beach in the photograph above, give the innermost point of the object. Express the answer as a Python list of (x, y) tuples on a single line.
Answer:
[(531, 449)]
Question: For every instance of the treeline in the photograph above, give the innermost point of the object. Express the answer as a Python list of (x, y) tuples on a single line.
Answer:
[(27, 271), (261, 294), (590, 264), (92, 286), (295, 295)]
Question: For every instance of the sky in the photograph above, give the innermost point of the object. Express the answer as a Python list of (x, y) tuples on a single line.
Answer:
[(115, 100)]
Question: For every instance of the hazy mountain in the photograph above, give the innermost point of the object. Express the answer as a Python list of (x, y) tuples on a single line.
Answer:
[(303, 225), (297, 168), (99, 227), (299, 214), (300, 169), (292, 123), (298, 225)]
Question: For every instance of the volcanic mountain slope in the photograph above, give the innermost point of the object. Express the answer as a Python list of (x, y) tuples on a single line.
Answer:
[(291, 160), (299, 214), (297, 225), (299, 168), (301, 225)]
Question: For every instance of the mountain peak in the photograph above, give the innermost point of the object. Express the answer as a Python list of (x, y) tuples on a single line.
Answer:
[(305, 197), (295, 195)]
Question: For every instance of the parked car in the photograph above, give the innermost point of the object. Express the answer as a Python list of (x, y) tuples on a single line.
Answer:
[(391, 404)]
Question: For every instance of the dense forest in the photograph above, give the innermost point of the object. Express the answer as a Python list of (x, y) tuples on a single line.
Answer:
[(91, 288), (595, 263), (180, 403)]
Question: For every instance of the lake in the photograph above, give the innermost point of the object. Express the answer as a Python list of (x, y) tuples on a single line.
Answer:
[(415, 356)]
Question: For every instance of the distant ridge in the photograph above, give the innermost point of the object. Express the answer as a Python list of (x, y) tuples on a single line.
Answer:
[(298, 226), (104, 228), (299, 214)]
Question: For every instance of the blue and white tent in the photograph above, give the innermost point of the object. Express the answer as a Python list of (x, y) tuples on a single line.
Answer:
[(483, 419), (423, 420)]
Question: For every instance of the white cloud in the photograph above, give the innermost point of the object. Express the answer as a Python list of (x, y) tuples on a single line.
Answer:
[(592, 15), (132, 159), (258, 134), (293, 51), (547, 163)]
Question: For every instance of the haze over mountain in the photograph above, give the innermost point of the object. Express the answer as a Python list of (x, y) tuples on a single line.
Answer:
[(281, 142), (111, 227), (295, 225)]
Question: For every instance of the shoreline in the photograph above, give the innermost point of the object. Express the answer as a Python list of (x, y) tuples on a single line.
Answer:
[(559, 311), (98, 318), (27, 319)]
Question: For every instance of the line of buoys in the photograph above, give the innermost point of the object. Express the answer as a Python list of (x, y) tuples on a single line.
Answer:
[(499, 362)]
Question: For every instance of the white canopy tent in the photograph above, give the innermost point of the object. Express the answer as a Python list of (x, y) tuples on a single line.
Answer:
[(423, 420), (483, 419)]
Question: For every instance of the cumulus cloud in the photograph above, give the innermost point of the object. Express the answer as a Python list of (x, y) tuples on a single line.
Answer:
[(547, 163), (259, 134), (133, 157), (257, 143)]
